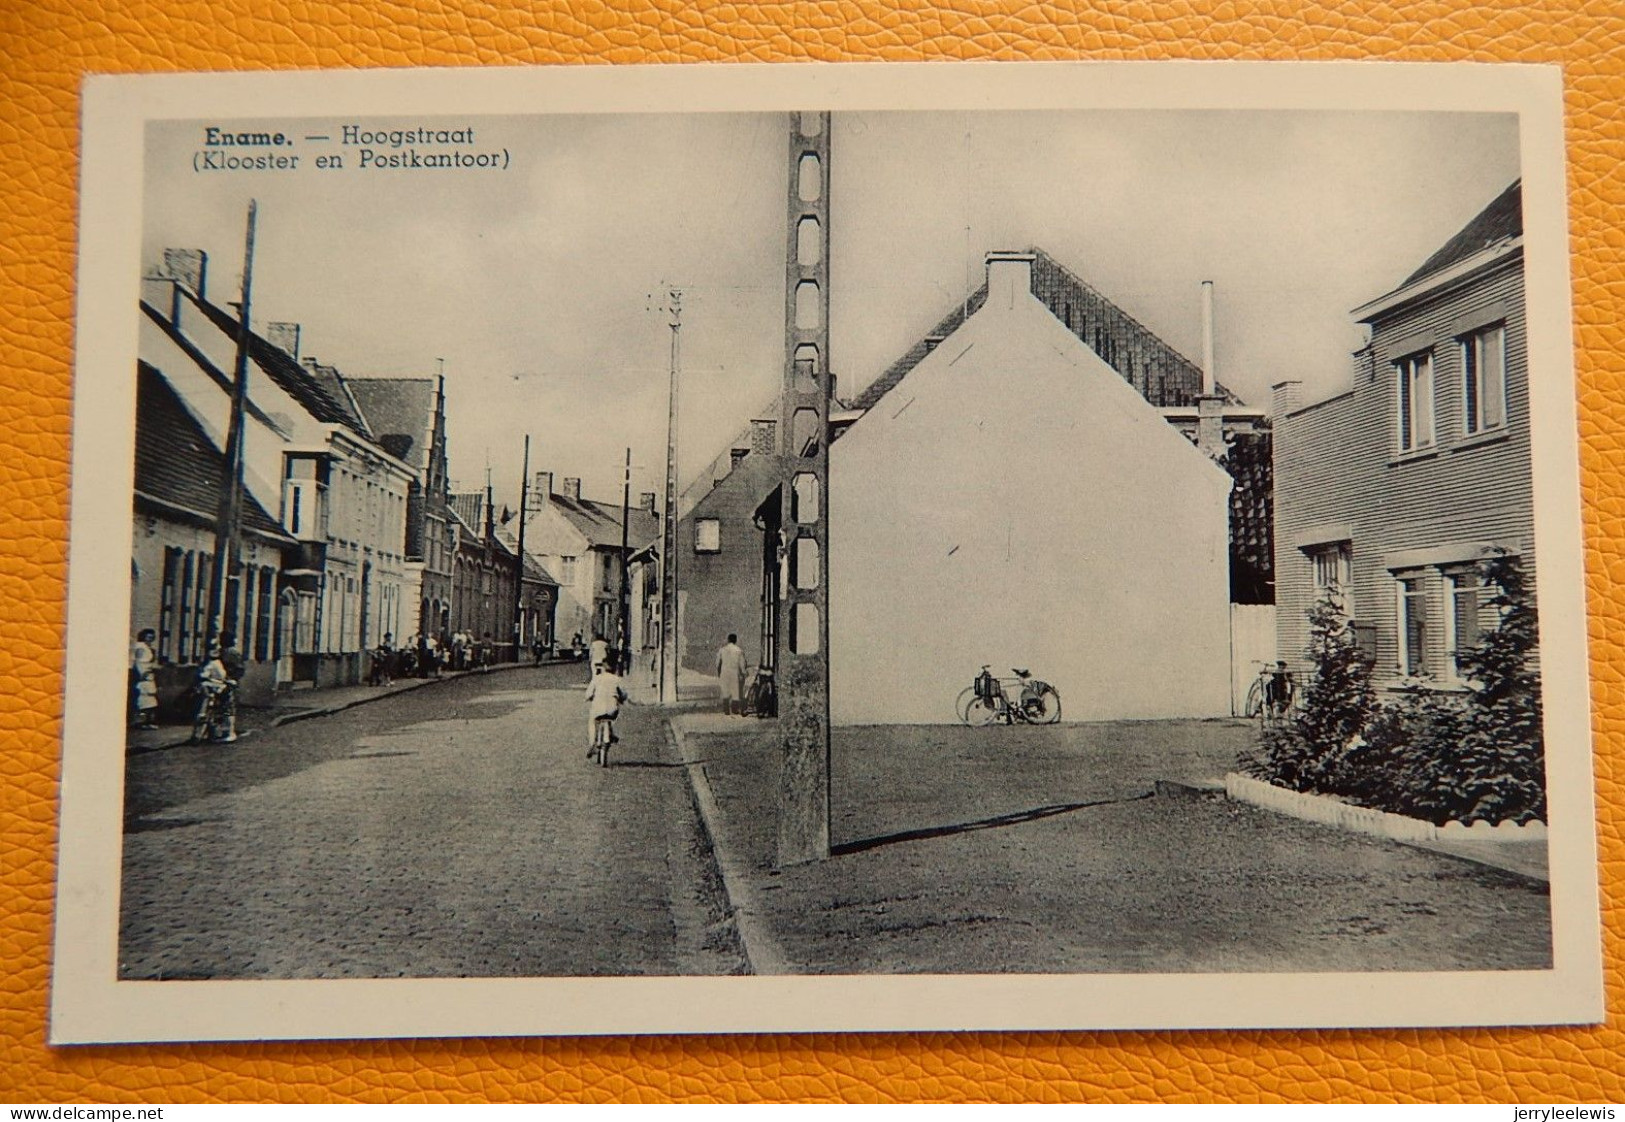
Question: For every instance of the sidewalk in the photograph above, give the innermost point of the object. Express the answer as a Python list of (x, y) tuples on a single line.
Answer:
[(1077, 849), (299, 705)]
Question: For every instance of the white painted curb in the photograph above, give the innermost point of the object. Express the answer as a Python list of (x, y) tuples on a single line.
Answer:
[(1364, 820)]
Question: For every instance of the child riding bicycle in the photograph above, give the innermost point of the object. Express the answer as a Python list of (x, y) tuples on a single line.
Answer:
[(604, 698)]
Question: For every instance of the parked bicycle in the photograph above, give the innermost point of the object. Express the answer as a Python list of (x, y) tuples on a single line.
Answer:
[(762, 697), (1274, 695), (1023, 698)]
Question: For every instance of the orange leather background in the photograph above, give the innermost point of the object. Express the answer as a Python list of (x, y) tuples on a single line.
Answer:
[(47, 45)]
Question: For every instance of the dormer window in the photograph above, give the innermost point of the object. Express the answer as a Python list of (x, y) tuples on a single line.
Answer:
[(304, 497)]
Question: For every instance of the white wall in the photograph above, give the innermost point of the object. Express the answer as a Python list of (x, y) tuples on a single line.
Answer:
[(1014, 502)]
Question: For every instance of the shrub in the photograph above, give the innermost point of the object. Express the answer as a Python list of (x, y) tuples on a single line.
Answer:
[(1303, 753), (1443, 756)]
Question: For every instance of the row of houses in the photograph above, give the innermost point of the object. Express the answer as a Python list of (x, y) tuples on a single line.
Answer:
[(351, 536), (1041, 482)]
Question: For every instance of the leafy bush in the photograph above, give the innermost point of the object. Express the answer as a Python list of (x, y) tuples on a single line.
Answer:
[(1303, 753), (1439, 755)]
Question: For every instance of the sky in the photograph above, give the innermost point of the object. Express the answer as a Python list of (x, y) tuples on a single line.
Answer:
[(539, 286)]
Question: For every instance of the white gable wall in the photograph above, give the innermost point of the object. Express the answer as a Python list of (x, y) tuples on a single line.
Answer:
[(1012, 501)]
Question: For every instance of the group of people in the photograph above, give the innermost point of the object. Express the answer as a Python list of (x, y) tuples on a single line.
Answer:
[(427, 656), (215, 712)]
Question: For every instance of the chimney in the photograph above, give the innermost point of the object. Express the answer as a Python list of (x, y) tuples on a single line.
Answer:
[(1210, 424), (541, 489), (1209, 380), (646, 502), (572, 488), (285, 337), (931, 341), (1009, 275), (190, 267), (1285, 397), (764, 437), (163, 295)]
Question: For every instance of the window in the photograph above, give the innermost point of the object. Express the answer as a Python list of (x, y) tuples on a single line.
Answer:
[(304, 498), (1334, 566), (262, 629), (707, 535), (169, 604), (1484, 391), (1413, 625), (1466, 589), (1415, 401)]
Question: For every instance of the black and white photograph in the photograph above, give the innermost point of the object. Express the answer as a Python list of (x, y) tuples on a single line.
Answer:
[(1009, 547)]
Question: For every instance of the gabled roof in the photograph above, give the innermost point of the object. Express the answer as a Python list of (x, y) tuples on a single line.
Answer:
[(319, 389), (534, 571), (1162, 375), (400, 413), (1501, 220), (600, 523), (177, 466), (469, 509)]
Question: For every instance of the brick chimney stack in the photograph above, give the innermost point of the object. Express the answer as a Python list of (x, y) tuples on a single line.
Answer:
[(541, 489), (190, 267), (1009, 276), (285, 337), (1209, 405), (1285, 397), (572, 488), (646, 502)]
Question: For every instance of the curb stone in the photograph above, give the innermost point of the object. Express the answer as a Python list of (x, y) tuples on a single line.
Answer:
[(329, 710), (1383, 824), (763, 955)]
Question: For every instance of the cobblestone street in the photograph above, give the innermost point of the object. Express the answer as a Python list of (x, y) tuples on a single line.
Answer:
[(455, 830)]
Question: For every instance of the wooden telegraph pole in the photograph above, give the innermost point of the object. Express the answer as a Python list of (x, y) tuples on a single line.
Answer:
[(669, 654), (228, 538), (624, 639), (519, 563), (803, 631)]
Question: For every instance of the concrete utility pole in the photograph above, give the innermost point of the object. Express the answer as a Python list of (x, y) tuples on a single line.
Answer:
[(228, 538), (669, 669), (803, 631)]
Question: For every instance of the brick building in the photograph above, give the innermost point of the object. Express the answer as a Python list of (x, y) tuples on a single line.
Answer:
[(1393, 488), (408, 417)]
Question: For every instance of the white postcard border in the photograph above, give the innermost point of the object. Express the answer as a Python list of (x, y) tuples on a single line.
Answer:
[(90, 1005)]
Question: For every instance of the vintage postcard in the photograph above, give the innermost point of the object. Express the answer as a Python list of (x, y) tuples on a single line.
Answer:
[(770, 548)]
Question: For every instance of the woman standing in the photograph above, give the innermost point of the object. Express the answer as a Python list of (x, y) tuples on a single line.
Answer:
[(144, 678)]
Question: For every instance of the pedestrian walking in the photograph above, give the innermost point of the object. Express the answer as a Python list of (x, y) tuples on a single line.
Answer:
[(487, 652), (731, 675), (144, 678), (604, 698)]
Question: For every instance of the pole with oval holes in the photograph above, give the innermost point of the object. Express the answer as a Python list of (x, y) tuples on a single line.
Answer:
[(803, 630)]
